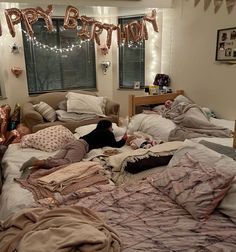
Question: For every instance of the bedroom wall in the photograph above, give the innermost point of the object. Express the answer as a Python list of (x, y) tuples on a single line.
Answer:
[(158, 51), (193, 68)]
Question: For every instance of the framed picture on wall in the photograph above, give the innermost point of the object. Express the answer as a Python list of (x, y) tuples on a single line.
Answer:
[(226, 45)]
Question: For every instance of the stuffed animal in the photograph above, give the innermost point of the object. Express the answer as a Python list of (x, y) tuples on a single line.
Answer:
[(141, 142)]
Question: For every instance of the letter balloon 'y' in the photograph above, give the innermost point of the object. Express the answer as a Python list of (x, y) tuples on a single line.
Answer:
[(47, 16)]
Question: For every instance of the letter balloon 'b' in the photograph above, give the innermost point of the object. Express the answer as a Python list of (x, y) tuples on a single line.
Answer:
[(71, 16)]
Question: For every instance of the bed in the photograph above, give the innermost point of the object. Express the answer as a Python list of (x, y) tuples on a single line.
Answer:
[(147, 122), (143, 217), (140, 209)]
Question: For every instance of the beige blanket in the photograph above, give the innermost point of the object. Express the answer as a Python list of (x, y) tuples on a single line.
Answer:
[(70, 174), (60, 230), (45, 183)]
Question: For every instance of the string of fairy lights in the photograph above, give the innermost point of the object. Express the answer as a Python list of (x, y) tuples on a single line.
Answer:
[(55, 48), (71, 47)]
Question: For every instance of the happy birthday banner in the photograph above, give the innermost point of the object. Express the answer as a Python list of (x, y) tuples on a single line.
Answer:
[(133, 31)]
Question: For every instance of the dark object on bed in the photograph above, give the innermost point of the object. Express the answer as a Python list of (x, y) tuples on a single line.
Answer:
[(222, 149), (147, 163)]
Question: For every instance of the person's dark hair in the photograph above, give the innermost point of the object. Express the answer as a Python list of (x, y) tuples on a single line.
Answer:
[(104, 124)]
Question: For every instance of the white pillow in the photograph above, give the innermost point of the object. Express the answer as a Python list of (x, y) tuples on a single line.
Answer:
[(46, 111), (155, 125), (65, 116), (205, 155), (82, 103), (84, 130), (49, 139)]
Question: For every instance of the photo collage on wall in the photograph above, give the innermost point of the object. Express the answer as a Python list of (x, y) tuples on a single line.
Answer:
[(226, 44)]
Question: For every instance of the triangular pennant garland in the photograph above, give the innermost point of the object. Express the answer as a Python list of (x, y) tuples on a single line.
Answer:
[(217, 3), (230, 5), (196, 2), (206, 4)]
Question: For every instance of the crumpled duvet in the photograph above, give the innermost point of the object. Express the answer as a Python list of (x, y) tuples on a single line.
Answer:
[(58, 230), (192, 122)]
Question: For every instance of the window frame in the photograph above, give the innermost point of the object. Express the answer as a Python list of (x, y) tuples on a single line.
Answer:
[(120, 56), (59, 21)]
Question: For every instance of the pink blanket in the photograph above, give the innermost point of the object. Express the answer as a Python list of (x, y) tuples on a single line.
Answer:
[(146, 220)]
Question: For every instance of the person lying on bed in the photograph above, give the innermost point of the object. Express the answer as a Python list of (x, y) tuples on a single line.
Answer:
[(75, 150)]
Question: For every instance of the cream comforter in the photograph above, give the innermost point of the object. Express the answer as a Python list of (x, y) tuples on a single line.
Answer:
[(62, 229)]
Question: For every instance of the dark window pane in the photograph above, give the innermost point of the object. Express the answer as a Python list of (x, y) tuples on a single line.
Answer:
[(131, 59), (58, 60)]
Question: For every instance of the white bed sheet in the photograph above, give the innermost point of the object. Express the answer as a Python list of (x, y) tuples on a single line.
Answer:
[(158, 127), (14, 197), (224, 141)]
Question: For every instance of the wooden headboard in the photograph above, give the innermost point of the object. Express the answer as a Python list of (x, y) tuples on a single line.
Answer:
[(135, 101)]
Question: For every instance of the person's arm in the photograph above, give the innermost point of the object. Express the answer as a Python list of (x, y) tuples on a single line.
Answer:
[(124, 140), (117, 144)]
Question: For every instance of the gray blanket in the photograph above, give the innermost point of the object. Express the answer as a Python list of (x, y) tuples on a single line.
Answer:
[(192, 122)]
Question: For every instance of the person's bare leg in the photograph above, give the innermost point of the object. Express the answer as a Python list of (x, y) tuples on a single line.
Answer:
[(32, 162)]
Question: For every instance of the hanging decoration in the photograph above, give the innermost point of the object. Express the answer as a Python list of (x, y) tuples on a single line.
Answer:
[(133, 32), (207, 4), (97, 31), (152, 20), (17, 71), (230, 5), (47, 16), (54, 49), (29, 17), (109, 28), (13, 17), (196, 2), (104, 49), (15, 49), (217, 4)]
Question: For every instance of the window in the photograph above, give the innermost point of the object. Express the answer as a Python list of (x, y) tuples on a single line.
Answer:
[(131, 59), (58, 60)]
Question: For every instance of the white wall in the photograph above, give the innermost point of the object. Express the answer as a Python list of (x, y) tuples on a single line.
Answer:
[(193, 66), (16, 90)]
